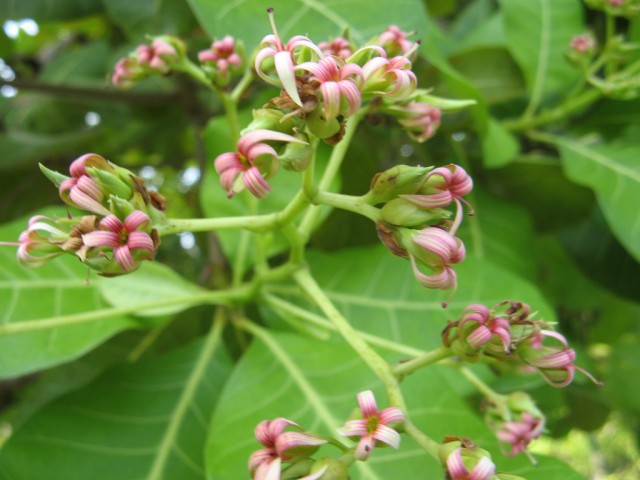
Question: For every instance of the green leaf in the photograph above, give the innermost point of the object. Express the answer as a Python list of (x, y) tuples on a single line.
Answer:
[(150, 17), (499, 146), (624, 367), (538, 32), (49, 293), (613, 172), (248, 20), (146, 420), (44, 10), (153, 282)]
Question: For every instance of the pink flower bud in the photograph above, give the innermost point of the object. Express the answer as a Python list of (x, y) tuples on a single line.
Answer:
[(394, 41), (339, 47)]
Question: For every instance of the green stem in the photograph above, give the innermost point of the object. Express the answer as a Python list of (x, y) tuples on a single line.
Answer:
[(333, 167), (434, 356), (205, 357), (220, 297), (498, 399), (242, 86), (231, 110), (238, 266), (254, 223), (375, 362), (278, 303), (610, 31), (347, 202), (578, 103)]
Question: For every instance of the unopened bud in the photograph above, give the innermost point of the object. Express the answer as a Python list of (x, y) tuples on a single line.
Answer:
[(297, 156), (404, 213), (334, 469), (399, 180)]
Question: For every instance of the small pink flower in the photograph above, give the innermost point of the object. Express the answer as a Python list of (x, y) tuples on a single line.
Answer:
[(450, 184), (420, 119), (126, 72), (223, 54), (484, 327), (374, 426), (280, 446), (128, 240), (583, 44), (283, 56), (457, 470), (554, 362), (81, 190), (395, 42), (392, 79), (42, 237), (252, 160), (157, 56), (339, 84), (339, 47), (521, 433)]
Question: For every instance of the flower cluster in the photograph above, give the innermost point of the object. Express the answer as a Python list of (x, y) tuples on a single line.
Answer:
[(415, 222), (624, 8), (463, 460), (508, 333), (115, 237), (155, 58), (222, 59)]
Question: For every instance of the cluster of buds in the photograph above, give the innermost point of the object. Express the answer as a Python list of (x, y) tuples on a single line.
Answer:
[(155, 58), (463, 460), (624, 8), (117, 234), (223, 59), (415, 222), (516, 421), (508, 333), (581, 49)]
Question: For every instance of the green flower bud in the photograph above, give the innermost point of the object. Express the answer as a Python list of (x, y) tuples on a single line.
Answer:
[(322, 128), (404, 213), (399, 180), (296, 156), (270, 119), (335, 469)]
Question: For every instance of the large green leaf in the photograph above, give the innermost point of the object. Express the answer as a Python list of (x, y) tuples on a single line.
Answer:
[(153, 282), (43, 10), (365, 19), (613, 172), (57, 289), (538, 32), (147, 420)]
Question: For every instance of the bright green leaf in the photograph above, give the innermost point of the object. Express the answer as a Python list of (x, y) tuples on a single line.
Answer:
[(153, 282), (538, 32), (148, 420), (55, 290), (499, 146)]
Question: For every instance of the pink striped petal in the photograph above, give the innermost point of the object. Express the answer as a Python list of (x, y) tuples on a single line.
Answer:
[(124, 258), (455, 466), (287, 76), (140, 241), (101, 238), (354, 428), (479, 337), (135, 220), (436, 200), (363, 450), (351, 95), (85, 202), (254, 182), (391, 415), (330, 99), (483, 470), (367, 402), (387, 435), (112, 223)]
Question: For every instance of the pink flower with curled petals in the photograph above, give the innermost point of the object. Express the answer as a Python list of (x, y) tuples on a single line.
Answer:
[(223, 54), (81, 190), (128, 240), (440, 187), (126, 72), (43, 237), (253, 162), (340, 85), (483, 468), (477, 327), (373, 428), (554, 362), (583, 44), (389, 78), (519, 434), (283, 57), (419, 119), (280, 446), (395, 42), (338, 47)]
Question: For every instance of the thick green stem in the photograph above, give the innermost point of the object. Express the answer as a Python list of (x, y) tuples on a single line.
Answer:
[(242, 86), (434, 356), (231, 110), (499, 400), (347, 202), (377, 364), (427, 443), (254, 223), (578, 103), (333, 167)]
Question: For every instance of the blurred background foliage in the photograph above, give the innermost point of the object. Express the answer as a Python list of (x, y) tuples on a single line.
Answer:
[(572, 226)]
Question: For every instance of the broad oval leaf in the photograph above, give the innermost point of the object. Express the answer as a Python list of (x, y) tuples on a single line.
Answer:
[(147, 420), (613, 172), (54, 291), (153, 282), (538, 32)]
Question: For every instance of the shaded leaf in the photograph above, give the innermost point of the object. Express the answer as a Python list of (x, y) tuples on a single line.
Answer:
[(613, 172), (538, 32), (43, 10), (147, 420), (499, 146)]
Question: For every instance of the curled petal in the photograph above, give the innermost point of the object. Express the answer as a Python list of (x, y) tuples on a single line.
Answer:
[(443, 278), (367, 403), (365, 445), (255, 183), (79, 165), (436, 200), (455, 465), (354, 428), (112, 223), (560, 359), (287, 76), (101, 239), (479, 337), (124, 258), (352, 96), (140, 241), (331, 99), (86, 202), (259, 457), (391, 415), (483, 470), (387, 435), (135, 220)]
